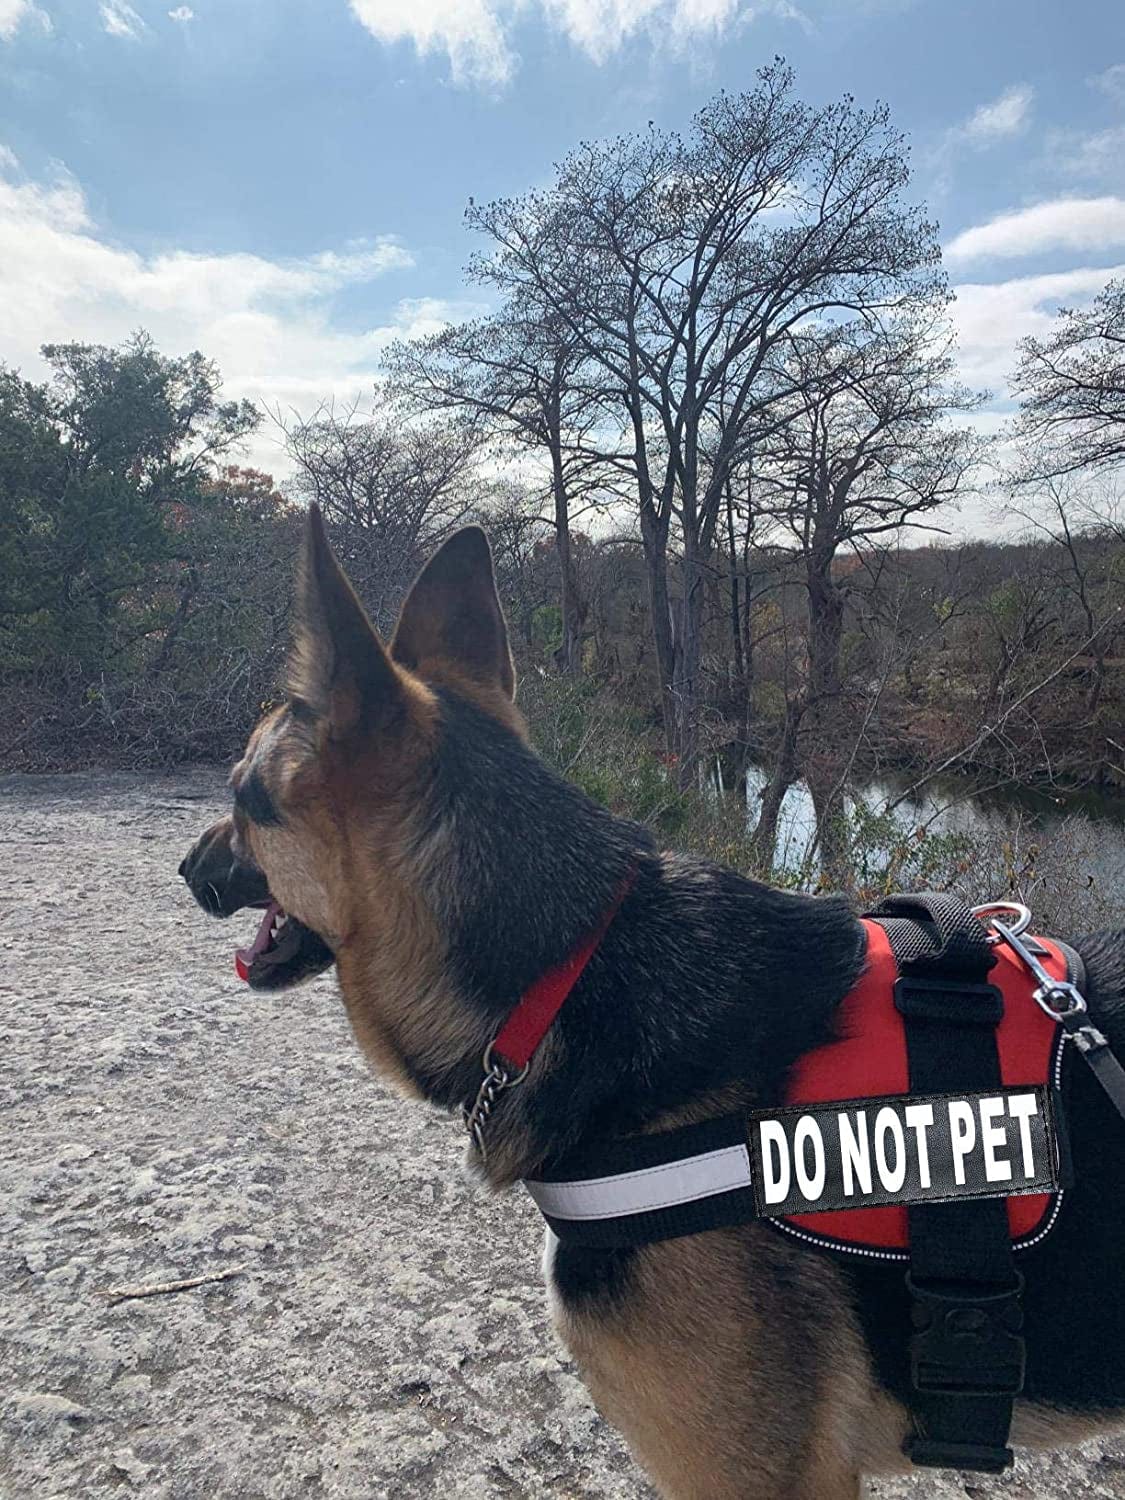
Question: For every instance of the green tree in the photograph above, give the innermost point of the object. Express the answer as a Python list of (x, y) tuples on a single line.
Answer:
[(92, 463)]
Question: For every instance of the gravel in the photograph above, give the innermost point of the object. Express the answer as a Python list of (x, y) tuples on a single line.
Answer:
[(384, 1333)]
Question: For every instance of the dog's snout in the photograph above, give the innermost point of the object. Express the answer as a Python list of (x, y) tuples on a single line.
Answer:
[(221, 883)]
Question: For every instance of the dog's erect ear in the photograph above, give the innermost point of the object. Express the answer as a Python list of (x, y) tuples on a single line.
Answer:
[(338, 666), (453, 615)]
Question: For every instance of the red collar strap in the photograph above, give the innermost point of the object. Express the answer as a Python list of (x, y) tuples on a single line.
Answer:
[(508, 1058), (527, 1025)]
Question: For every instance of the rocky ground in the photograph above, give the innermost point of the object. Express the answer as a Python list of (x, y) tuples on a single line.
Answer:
[(384, 1333)]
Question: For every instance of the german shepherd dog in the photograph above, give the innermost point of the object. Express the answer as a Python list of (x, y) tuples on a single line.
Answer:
[(392, 819)]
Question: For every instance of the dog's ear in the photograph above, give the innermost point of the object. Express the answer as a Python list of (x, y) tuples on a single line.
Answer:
[(453, 615), (337, 667)]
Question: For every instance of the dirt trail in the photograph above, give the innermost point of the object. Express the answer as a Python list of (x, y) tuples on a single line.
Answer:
[(388, 1335)]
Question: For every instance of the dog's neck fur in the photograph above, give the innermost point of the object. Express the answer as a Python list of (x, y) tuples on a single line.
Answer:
[(705, 987)]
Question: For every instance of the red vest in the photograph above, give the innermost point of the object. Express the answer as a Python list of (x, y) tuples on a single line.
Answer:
[(870, 1059)]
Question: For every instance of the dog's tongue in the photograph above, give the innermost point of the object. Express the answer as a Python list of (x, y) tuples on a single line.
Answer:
[(244, 957)]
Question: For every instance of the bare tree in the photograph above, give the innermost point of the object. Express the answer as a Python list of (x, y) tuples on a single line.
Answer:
[(1083, 574), (389, 488), (680, 265), (525, 577), (1071, 387), (517, 374), (868, 452)]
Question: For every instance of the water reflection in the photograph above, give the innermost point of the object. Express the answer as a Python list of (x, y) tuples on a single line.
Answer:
[(953, 806)]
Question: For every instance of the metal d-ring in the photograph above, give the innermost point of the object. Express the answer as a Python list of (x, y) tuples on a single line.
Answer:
[(490, 1065), (496, 1080), (990, 909)]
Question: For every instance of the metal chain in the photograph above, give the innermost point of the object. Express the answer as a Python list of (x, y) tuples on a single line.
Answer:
[(496, 1080), (476, 1118)]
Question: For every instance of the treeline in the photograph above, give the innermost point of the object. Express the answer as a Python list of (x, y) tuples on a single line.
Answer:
[(709, 425)]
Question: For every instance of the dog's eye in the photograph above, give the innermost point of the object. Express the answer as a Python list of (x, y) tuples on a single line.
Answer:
[(252, 799)]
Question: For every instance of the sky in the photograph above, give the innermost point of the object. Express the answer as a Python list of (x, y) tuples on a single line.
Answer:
[(281, 183)]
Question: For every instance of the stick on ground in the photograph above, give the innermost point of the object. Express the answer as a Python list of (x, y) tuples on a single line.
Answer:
[(159, 1288)]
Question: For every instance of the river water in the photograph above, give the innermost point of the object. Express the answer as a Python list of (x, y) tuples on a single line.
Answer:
[(1062, 851)]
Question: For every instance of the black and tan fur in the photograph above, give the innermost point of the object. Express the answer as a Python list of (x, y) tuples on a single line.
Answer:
[(393, 806)]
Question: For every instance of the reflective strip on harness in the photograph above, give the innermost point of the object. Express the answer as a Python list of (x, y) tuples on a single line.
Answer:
[(685, 1181)]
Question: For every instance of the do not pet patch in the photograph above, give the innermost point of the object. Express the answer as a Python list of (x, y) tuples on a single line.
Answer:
[(865, 1153)]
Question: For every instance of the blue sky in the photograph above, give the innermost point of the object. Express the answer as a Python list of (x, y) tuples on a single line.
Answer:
[(281, 182)]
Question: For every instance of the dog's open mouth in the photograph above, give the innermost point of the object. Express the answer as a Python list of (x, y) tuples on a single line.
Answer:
[(284, 951)]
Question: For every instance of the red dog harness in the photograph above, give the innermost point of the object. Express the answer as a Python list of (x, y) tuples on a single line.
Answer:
[(925, 1132), (869, 1060)]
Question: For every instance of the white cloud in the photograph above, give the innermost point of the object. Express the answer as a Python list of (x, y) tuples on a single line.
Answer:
[(1112, 82), (121, 20), (1006, 116), (992, 318), (998, 120), (1082, 224), (269, 324), (990, 321), (14, 14), (475, 34), (182, 13), (469, 31), (1100, 154), (601, 27)]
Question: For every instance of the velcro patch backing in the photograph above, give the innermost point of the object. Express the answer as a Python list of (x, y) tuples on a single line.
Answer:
[(900, 1149)]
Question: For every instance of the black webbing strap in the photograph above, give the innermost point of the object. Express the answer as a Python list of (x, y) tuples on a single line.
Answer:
[(606, 1157), (967, 1355)]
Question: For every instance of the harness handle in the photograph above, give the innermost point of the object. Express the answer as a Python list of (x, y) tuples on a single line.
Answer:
[(935, 935)]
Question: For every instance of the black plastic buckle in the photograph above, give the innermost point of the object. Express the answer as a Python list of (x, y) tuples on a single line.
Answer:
[(957, 1001), (967, 1341), (930, 1454)]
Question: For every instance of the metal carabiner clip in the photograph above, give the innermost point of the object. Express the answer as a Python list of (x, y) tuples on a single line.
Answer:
[(987, 912), (1065, 1003), (1060, 999)]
